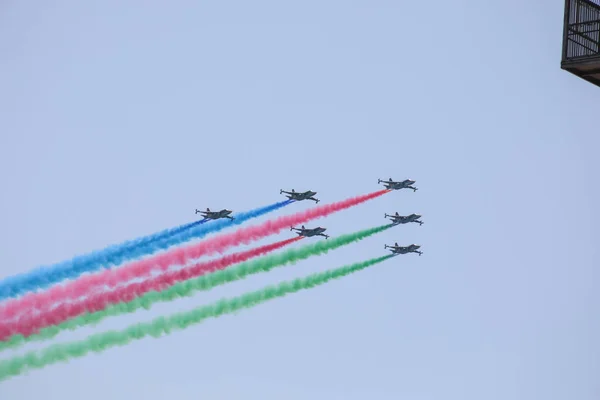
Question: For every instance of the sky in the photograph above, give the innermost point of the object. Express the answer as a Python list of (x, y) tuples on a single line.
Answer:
[(118, 119)]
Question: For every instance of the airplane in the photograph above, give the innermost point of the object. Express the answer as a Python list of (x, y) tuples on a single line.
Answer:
[(405, 184), (293, 195), (310, 232), (400, 219), (404, 249), (224, 213)]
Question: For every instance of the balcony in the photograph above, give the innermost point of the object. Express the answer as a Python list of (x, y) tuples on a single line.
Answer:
[(581, 39)]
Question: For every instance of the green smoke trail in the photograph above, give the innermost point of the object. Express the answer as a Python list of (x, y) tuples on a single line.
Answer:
[(204, 282), (164, 325)]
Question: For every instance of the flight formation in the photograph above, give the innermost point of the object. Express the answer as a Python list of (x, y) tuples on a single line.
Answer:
[(121, 279), (399, 219), (319, 231)]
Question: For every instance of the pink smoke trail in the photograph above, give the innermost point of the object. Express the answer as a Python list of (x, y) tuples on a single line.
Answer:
[(88, 284), (30, 324)]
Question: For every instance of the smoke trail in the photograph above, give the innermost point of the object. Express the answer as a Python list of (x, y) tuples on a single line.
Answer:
[(109, 251), (30, 324), (47, 276), (166, 233), (189, 287), (164, 325), (180, 256)]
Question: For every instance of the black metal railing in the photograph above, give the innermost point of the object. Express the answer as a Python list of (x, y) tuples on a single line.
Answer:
[(582, 29)]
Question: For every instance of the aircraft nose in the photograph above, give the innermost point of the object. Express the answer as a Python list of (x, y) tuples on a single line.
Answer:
[(418, 215)]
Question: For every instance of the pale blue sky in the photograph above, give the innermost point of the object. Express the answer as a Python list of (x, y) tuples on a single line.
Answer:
[(119, 120)]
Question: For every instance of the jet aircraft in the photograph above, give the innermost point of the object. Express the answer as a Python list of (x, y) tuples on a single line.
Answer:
[(299, 196), (405, 184), (395, 249), (224, 213), (400, 219), (310, 232)]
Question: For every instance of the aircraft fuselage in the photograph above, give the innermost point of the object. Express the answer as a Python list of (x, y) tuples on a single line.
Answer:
[(310, 232), (405, 184), (299, 196), (400, 219), (215, 214), (413, 248)]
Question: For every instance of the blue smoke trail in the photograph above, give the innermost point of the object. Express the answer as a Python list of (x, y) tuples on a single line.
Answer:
[(117, 250), (162, 235), (47, 276)]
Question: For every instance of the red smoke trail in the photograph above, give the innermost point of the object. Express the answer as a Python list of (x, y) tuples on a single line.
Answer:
[(27, 325), (142, 268)]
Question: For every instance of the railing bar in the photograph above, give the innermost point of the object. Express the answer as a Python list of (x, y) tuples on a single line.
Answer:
[(594, 52), (584, 36), (595, 21)]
